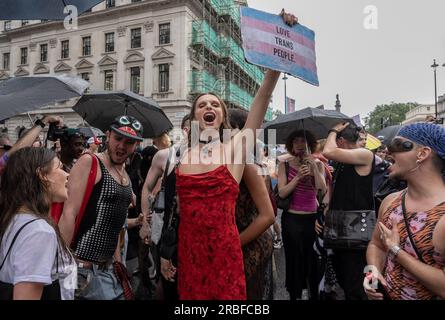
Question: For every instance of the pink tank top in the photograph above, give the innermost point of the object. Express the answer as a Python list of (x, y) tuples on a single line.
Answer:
[(304, 197)]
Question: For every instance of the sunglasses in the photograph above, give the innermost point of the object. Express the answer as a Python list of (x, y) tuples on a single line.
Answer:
[(399, 145), (126, 121), (6, 147)]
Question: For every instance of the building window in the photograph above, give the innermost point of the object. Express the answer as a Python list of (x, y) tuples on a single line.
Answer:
[(24, 22), (108, 85), (164, 76), (43, 52), (133, 1), (164, 33), (135, 79), (65, 53), (23, 55), (136, 38), (109, 42), (7, 25), (86, 46), (6, 61), (85, 76), (110, 3)]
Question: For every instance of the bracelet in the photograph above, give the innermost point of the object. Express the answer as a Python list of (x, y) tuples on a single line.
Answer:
[(394, 251), (39, 122), (333, 130)]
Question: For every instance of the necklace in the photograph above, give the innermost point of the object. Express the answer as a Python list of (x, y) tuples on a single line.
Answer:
[(207, 149), (123, 179)]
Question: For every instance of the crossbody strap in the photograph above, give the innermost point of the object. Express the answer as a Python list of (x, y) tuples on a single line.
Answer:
[(13, 241), (286, 167), (408, 229), (86, 197)]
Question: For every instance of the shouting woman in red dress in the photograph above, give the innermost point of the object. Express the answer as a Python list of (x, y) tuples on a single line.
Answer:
[(210, 260)]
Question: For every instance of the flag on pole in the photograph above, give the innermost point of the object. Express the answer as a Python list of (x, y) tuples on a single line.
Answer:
[(290, 105)]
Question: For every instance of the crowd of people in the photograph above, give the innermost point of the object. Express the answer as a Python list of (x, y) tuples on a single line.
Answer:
[(108, 220)]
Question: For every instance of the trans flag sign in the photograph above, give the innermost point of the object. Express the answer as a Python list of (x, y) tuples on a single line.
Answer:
[(270, 43)]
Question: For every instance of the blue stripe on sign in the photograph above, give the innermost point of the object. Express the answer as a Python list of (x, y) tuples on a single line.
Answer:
[(266, 61), (275, 19)]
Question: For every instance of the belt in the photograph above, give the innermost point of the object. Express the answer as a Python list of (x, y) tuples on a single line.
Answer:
[(89, 265)]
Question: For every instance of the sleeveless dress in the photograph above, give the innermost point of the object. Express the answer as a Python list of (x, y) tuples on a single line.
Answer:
[(210, 260), (402, 284)]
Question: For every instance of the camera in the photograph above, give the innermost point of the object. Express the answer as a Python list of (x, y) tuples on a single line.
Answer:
[(64, 133), (54, 132)]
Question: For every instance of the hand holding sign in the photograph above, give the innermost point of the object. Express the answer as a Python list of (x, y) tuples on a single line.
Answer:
[(282, 46)]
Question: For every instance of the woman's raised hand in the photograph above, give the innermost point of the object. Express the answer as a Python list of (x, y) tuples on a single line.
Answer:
[(289, 18)]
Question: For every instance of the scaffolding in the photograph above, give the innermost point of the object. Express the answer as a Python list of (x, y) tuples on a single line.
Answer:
[(219, 62)]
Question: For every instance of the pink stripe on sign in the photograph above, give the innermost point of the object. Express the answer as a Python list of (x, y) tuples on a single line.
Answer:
[(287, 55), (271, 28)]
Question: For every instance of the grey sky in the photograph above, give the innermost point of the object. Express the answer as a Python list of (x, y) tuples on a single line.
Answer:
[(368, 67)]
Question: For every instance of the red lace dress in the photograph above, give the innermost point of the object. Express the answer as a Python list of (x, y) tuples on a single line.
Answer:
[(210, 260)]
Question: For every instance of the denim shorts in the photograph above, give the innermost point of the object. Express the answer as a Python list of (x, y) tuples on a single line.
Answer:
[(98, 284)]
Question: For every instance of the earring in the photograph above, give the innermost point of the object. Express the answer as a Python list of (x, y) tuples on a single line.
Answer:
[(418, 162)]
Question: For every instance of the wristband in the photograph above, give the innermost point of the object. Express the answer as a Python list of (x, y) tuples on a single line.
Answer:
[(39, 122), (333, 130), (394, 251)]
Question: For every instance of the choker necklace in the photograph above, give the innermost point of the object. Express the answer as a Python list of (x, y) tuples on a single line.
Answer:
[(208, 146), (210, 141)]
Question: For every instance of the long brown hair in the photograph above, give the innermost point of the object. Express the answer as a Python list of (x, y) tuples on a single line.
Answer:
[(224, 125), (21, 186)]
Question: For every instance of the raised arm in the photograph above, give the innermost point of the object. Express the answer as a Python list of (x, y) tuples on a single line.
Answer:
[(262, 98), (261, 101), (359, 156), (28, 139)]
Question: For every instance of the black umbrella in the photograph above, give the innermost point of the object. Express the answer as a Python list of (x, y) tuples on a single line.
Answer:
[(24, 94), (89, 132), (41, 9), (101, 108), (387, 134), (317, 121)]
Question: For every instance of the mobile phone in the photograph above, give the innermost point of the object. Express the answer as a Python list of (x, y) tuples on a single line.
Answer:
[(381, 289)]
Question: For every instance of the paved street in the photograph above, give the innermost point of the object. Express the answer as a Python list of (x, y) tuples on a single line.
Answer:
[(280, 292)]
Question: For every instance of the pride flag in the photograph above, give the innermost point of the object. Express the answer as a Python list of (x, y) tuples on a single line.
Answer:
[(270, 43)]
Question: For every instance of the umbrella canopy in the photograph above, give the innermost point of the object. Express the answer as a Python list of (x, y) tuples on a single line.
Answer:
[(41, 9), (372, 142), (101, 108), (89, 132), (387, 134), (24, 94), (317, 121)]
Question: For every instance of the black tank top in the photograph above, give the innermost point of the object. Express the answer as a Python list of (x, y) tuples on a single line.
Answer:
[(352, 191), (104, 218)]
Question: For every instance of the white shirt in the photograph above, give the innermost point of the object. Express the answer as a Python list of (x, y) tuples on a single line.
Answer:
[(33, 256)]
